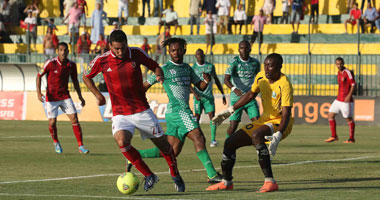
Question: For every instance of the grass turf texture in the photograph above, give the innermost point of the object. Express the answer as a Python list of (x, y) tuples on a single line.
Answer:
[(336, 170)]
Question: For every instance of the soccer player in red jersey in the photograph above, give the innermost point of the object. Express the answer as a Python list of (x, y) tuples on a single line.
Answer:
[(122, 73), (344, 102), (58, 70)]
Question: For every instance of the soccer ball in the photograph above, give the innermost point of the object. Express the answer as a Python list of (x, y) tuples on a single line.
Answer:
[(128, 183)]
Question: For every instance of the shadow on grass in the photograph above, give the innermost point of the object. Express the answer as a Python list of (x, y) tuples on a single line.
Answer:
[(341, 180)]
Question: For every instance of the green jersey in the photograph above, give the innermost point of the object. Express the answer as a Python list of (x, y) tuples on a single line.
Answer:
[(177, 81), (242, 73), (207, 68)]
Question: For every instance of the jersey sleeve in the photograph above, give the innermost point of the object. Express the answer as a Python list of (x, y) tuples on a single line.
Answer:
[(193, 77), (351, 78), (152, 79), (255, 86), (231, 67), (146, 60), (287, 94), (94, 68), (45, 68)]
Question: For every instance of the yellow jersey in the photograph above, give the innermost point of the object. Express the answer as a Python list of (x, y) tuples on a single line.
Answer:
[(273, 96)]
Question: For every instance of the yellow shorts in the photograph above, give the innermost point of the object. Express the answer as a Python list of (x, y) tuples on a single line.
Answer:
[(273, 124)]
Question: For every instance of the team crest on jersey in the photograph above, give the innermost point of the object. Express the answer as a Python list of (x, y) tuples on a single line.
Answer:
[(274, 94), (133, 64), (172, 71), (56, 71)]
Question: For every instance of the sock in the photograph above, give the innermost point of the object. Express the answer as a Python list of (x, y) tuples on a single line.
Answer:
[(207, 163), (78, 133), (228, 162), (53, 133), (351, 125), (271, 179), (213, 131), (134, 157), (333, 128), (172, 162), (150, 153), (264, 160)]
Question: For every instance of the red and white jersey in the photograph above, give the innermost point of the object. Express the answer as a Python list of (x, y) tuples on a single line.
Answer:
[(346, 80), (58, 78), (124, 80)]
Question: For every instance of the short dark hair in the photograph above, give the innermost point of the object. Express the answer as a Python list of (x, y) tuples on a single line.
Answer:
[(199, 50), (275, 56), (181, 41), (340, 59), (245, 41), (118, 36), (63, 44)]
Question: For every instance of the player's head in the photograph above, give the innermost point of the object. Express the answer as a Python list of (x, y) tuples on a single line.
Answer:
[(339, 62), (63, 51), (177, 49), (118, 43), (145, 40), (261, 12), (355, 5), (200, 56), (101, 36), (244, 49), (272, 66), (49, 30)]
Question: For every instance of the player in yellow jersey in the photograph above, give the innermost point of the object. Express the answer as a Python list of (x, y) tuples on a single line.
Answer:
[(274, 124)]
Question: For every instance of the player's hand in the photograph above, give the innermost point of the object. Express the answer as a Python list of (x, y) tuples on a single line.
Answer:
[(224, 100), (41, 97), (207, 77), (83, 102), (198, 98), (347, 99), (274, 141), (101, 100), (221, 116), (238, 92), (160, 78)]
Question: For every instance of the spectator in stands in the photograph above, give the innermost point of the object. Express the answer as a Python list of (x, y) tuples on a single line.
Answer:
[(285, 12), (268, 9), (32, 21), (240, 18), (101, 3), (369, 18), (83, 43), (223, 7), (314, 5), (50, 24), (158, 7), (32, 6), (82, 5), (97, 27), (258, 21), (146, 47), (377, 20), (195, 13), (210, 23), (50, 43), (238, 3), (147, 2), (101, 45), (355, 15), (123, 7), (209, 5), (296, 13), (115, 27), (5, 10), (160, 42), (68, 4), (171, 19), (74, 17), (363, 3)]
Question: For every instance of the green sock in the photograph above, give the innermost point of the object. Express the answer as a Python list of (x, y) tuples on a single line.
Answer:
[(207, 163), (150, 153), (213, 131)]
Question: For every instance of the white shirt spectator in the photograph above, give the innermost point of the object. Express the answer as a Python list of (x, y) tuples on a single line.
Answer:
[(169, 15), (31, 20), (207, 23), (223, 7), (240, 15)]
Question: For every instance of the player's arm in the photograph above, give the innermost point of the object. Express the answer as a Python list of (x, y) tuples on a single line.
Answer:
[(38, 86), (202, 85), (246, 98), (197, 97), (220, 87), (349, 95), (91, 86), (285, 118), (227, 81), (150, 81), (74, 78)]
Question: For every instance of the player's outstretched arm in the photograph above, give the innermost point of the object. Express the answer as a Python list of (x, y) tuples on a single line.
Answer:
[(159, 75), (202, 85), (74, 78), (220, 87), (91, 86), (227, 81), (38, 86)]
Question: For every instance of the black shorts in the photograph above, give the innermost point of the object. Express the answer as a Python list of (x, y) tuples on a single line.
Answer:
[(255, 35), (172, 23), (314, 9)]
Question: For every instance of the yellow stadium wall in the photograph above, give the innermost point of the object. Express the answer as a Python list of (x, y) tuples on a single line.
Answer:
[(50, 8)]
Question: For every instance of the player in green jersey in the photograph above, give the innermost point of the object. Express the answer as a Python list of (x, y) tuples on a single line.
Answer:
[(204, 100), (180, 122), (240, 76)]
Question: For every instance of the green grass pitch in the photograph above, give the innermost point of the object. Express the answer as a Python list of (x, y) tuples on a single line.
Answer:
[(305, 167)]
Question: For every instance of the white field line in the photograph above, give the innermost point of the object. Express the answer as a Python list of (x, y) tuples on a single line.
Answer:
[(184, 171)]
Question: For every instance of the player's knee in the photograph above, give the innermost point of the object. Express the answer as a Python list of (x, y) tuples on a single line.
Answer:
[(262, 151)]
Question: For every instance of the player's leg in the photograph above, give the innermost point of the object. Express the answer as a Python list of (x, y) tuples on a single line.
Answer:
[(234, 121), (197, 109), (209, 107), (252, 109), (347, 109), (334, 109), (52, 113), (237, 140)]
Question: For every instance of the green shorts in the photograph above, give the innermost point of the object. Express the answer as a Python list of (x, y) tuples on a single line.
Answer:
[(207, 104), (178, 124), (251, 108)]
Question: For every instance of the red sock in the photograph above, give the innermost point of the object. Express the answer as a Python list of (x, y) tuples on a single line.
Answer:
[(53, 133), (172, 162), (333, 128), (78, 133), (134, 157), (351, 125)]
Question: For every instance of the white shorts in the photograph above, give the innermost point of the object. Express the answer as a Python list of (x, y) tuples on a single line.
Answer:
[(146, 122), (123, 7), (345, 107), (67, 106), (74, 28)]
